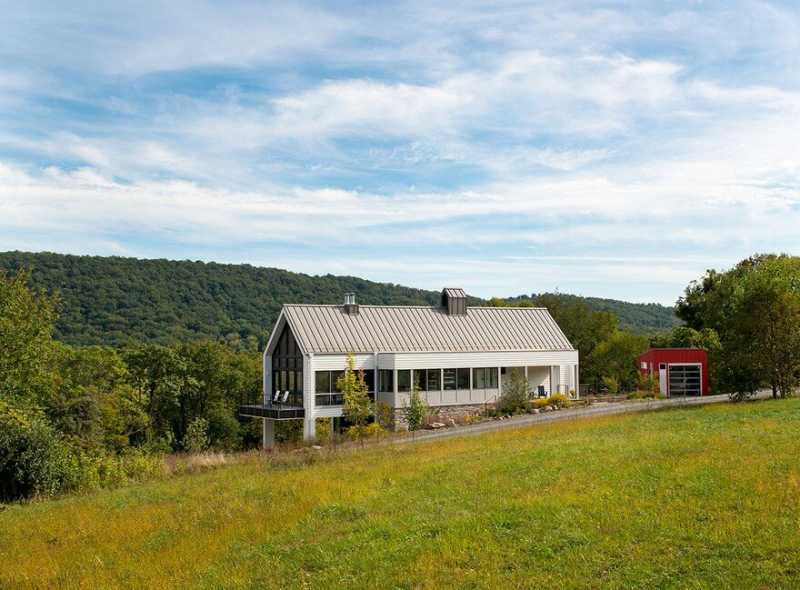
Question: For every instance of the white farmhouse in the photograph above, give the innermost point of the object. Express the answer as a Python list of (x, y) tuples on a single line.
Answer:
[(458, 356)]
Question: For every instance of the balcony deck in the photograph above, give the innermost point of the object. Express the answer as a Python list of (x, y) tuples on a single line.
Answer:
[(273, 412)]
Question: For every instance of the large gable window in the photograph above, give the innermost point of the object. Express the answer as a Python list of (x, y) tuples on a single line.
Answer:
[(287, 370)]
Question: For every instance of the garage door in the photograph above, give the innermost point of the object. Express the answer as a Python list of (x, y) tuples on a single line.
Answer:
[(684, 380)]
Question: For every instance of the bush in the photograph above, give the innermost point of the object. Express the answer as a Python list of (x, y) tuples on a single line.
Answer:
[(515, 395), (224, 430), (374, 430), (611, 384), (540, 403), (417, 411), (558, 400), (196, 438), (384, 415), (323, 430), (34, 458)]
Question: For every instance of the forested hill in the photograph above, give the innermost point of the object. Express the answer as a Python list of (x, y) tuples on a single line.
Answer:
[(637, 317), (111, 300)]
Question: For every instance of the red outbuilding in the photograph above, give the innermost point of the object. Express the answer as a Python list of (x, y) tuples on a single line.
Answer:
[(680, 371)]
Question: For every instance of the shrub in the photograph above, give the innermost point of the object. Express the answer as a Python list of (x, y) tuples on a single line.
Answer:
[(196, 438), (611, 384), (224, 430), (417, 411), (384, 415), (323, 430), (34, 458), (540, 403), (558, 400), (374, 430), (515, 395), (360, 433), (648, 385)]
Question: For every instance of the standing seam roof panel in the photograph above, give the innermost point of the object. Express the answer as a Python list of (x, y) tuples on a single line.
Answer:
[(327, 329)]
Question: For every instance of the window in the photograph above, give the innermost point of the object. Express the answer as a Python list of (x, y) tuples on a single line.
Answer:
[(322, 381), (449, 379), (463, 378), (404, 380), (386, 381), (419, 379), (369, 379), (484, 378), (434, 379), (335, 381)]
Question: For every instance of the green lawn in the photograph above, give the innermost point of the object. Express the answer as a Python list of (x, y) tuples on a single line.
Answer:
[(698, 498)]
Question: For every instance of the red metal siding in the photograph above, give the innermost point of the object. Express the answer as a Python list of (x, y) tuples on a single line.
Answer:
[(656, 356)]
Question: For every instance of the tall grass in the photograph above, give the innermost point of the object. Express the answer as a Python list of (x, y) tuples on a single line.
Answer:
[(703, 498)]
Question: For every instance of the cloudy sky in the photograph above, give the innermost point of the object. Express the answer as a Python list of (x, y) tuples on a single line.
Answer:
[(601, 148)]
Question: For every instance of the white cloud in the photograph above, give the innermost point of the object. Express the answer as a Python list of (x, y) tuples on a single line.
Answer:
[(410, 132)]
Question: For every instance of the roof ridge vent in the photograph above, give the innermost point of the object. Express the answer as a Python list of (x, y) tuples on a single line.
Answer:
[(350, 305), (454, 300)]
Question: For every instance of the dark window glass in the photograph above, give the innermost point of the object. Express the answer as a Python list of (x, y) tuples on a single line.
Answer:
[(404, 380), (322, 380), (434, 379), (369, 379), (419, 379), (386, 384), (484, 378), (463, 378), (449, 379)]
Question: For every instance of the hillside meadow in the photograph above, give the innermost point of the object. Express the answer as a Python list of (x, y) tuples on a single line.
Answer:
[(699, 498)]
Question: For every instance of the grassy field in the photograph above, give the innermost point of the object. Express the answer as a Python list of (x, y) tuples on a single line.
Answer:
[(691, 498)]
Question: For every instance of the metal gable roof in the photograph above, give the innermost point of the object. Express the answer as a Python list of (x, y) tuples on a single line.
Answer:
[(379, 328)]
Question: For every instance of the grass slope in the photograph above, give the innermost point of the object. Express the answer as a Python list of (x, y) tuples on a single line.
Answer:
[(110, 300), (703, 498)]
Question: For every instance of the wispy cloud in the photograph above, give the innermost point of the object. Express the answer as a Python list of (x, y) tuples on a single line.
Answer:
[(611, 151)]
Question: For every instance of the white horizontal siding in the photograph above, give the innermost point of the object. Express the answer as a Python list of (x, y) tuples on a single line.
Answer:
[(338, 362), (449, 360)]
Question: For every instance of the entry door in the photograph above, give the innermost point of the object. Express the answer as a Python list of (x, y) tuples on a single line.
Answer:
[(662, 379), (685, 380)]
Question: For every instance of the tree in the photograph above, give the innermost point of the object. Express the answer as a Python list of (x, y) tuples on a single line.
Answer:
[(357, 407), (417, 410), (755, 309), (156, 373), (26, 343), (584, 328), (196, 438), (616, 358)]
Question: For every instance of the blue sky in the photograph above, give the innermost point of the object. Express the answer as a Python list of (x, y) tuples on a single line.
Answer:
[(600, 148)]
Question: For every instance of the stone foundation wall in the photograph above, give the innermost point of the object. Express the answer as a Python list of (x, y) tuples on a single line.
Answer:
[(440, 414)]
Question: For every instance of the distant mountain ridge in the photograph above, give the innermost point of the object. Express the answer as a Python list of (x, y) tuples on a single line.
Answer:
[(113, 300), (638, 317)]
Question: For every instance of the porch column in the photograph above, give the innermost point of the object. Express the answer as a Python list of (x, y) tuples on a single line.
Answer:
[(527, 383), (267, 434), (309, 428)]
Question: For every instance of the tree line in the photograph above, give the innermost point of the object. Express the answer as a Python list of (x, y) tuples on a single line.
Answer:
[(65, 409), (115, 301), (70, 415)]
